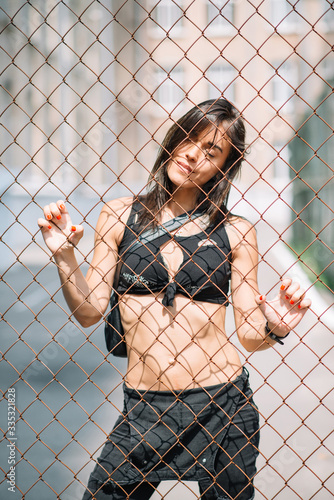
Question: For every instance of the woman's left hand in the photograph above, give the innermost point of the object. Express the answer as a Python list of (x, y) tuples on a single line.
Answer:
[(286, 310)]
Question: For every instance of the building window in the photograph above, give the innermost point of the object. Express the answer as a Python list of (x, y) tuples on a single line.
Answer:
[(284, 17), (221, 80), (283, 86), (167, 17), (220, 17), (169, 88)]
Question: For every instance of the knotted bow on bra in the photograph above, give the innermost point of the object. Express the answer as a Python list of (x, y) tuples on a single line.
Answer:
[(204, 271)]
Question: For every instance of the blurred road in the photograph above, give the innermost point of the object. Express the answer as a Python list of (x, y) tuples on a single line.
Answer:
[(61, 377)]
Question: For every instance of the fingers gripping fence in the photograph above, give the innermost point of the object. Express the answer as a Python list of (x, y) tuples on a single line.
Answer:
[(88, 91)]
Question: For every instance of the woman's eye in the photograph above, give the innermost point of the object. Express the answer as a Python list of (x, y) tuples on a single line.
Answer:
[(210, 153)]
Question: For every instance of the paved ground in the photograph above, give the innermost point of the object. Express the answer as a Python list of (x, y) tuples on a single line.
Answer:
[(292, 386)]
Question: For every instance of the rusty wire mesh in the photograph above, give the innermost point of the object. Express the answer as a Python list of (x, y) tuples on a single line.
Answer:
[(88, 89)]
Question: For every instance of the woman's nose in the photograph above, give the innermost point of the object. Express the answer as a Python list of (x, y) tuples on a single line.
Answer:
[(192, 152)]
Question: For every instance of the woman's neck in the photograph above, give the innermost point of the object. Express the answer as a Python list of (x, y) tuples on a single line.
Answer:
[(182, 201)]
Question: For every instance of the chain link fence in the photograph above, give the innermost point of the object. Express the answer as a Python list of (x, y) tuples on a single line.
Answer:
[(88, 90)]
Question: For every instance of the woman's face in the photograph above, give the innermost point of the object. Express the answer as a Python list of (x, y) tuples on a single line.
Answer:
[(195, 161)]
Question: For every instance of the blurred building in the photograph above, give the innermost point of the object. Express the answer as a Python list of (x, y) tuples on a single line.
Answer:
[(89, 89), (313, 189)]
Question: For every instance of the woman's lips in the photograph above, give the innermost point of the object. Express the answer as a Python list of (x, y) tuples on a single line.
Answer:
[(184, 167)]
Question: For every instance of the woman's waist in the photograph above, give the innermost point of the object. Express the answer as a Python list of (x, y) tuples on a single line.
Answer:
[(167, 366), (238, 380), (178, 379)]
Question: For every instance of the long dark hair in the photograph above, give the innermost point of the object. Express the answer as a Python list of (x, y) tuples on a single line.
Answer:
[(213, 195)]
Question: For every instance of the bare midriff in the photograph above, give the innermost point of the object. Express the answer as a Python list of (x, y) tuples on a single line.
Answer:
[(179, 347)]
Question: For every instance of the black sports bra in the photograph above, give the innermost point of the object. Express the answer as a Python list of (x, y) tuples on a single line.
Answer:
[(203, 275)]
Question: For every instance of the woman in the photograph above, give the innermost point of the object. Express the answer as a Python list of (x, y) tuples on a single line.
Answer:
[(188, 408)]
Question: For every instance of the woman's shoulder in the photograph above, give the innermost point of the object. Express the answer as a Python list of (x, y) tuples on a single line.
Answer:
[(240, 230), (119, 208), (118, 204), (114, 217)]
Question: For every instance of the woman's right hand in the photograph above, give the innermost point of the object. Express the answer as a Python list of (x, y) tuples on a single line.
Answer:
[(57, 229)]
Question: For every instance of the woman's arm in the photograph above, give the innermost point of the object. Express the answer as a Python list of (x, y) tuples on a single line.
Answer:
[(88, 297), (252, 311)]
